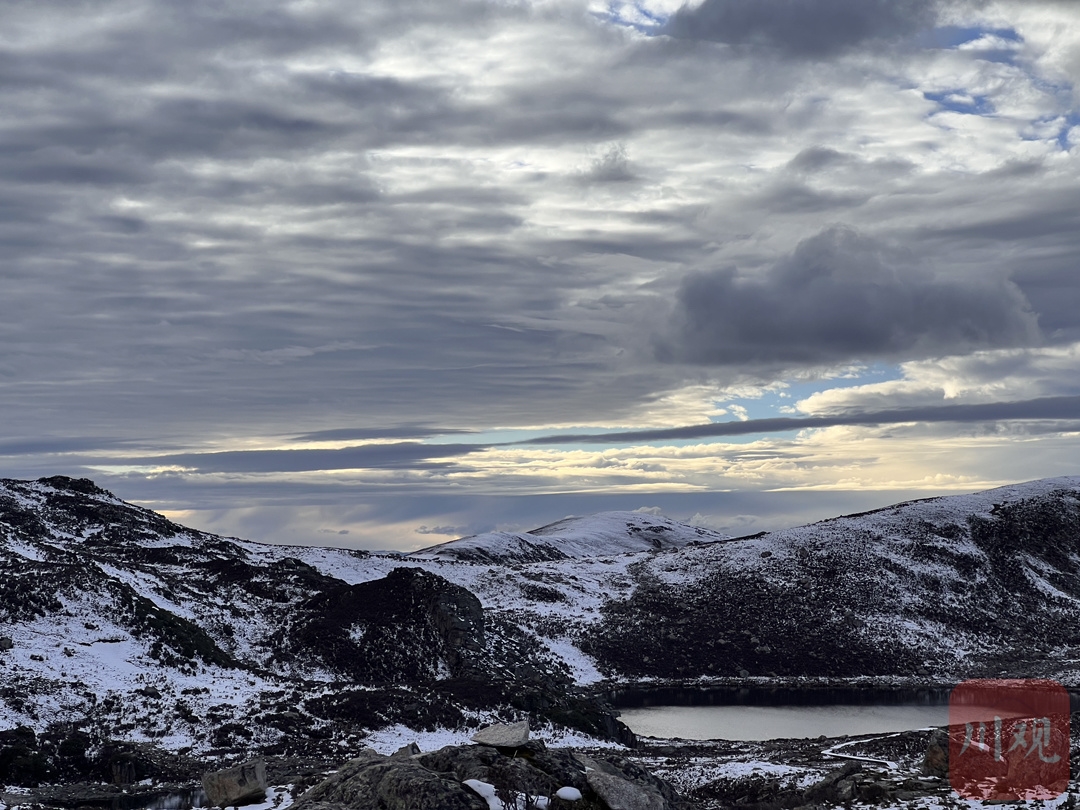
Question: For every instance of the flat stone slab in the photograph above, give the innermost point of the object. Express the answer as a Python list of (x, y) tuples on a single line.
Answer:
[(242, 784), (504, 735)]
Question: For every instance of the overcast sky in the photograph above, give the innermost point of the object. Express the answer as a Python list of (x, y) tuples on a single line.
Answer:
[(381, 274)]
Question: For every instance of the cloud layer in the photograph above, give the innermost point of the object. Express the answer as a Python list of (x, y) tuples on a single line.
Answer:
[(815, 29), (293, 254)]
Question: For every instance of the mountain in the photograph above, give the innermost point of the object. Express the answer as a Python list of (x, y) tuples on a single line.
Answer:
[(601, 535), (119, 625)]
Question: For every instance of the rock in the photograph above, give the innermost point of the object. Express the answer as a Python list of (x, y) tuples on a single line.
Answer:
[(845, 790), (407, 750), (936, 758), (624, 785), (375, 782), (149, 691), (504, 735), (621, 794), (873, 792), (242, 784), (827, 791), (6, 642)]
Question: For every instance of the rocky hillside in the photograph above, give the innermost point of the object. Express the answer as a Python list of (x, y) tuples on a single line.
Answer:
[(115, 621)]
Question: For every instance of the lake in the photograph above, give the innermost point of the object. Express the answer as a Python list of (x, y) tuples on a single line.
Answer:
[(766, 713), (772, 722)]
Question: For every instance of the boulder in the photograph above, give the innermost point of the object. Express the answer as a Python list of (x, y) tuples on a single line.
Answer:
[(6, 642), (624, 785), (242, 784), (504, 735), (828, 790), (618, 793), (936, 758), (375, 782)]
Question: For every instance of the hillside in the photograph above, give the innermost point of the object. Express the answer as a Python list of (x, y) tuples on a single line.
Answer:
[(120, 624), (603, 534)]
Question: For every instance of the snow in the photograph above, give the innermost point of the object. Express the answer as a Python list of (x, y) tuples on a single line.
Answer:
[(603, 534), (390, 739), (591, 560)]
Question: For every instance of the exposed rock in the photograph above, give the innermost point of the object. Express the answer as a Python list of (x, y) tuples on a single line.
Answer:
[(437, 781), (374, 782), (828, 790), (6, 642), (503, 735), (936, 760), (620, 794), (624, 785), (242, 784), (412, 749)]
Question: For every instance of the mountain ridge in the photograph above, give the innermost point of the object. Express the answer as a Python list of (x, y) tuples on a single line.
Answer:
[(125, 625)]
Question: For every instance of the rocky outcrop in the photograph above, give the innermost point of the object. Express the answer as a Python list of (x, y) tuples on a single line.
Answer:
[(436, 781), (374, 782), (410, 626), (241, 784)]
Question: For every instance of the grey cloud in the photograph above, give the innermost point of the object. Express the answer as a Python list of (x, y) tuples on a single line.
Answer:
[(1066, 409), (803, 28), (841, 296), (388, 456), (611, 167), (402, 432)]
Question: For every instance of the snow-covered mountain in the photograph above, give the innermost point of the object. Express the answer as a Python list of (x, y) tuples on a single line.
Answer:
[(115, 621), (600, 535)]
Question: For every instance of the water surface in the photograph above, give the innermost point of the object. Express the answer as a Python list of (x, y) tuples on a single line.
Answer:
[(748, 722)]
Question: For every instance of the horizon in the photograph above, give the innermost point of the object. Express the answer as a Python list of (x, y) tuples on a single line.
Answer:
[(385, 276)]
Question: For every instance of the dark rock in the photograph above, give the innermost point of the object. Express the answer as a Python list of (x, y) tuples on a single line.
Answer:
[(6, 642), (374, 782), (873, 792), (625, 785), (827, 791)]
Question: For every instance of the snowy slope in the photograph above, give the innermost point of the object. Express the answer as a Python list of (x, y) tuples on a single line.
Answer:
[(960, 586), (600, 535), (158, 633)]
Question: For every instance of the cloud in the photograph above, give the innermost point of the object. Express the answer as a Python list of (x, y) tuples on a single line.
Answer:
[(981, 377), (802, 28), (404, 455), (1065, 408), (841, 296)]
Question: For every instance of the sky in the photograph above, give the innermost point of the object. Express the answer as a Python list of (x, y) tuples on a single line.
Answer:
[(383, 274)]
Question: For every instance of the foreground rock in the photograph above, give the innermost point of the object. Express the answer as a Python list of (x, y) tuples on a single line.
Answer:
[(242, 784), (435, 781)]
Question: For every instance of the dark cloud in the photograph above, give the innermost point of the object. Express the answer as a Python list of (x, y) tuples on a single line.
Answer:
[(1065, 409), (842, 296), (406, 455), (803, 28), (354, 434)]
